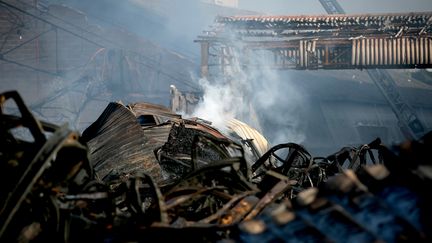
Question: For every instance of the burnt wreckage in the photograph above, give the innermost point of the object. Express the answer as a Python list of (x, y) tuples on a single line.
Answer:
[(142, 173)]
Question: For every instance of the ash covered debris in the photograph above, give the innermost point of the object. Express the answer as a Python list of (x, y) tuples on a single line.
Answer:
[(142, 173), (38, 173), (151, 139)]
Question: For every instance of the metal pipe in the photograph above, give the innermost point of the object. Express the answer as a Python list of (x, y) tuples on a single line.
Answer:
[(417, 50), (381, 52), (430, 50), (367, 52), (376, 43), (422, 51), (429, 56), (398, 51), (413, 51), (390, 52), (385, 51), (353, 52), (301, 54), (363, 46), (358, 52), (372, 54), (403, 57)]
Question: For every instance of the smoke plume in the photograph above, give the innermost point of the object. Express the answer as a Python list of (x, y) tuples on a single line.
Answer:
[(264, 98)]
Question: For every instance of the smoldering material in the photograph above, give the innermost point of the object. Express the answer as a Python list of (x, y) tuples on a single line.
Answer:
[(360, 197)]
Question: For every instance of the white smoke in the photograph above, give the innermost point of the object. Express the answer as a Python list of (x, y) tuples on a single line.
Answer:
[(261, 97), (218, 102)]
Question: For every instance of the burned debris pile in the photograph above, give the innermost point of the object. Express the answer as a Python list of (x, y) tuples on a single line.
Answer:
[(142, 173)]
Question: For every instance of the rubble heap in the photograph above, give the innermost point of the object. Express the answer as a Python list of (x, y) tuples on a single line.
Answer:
[(142, 173)]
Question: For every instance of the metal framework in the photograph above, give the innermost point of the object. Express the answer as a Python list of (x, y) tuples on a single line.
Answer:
[(322, 42), (36, 22), (407, 51), (337, 41), (332, 7)]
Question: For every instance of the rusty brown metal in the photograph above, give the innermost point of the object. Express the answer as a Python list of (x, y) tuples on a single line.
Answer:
[(358, 41), (281, 187), (143, 137), (119, 146), (411, 24), (57, 198), (230, 216), (35, 168)]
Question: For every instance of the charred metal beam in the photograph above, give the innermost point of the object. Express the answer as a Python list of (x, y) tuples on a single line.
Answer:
[(323, 41), (57, 199)]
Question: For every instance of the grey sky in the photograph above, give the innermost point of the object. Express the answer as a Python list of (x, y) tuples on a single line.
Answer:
[(292, 7)]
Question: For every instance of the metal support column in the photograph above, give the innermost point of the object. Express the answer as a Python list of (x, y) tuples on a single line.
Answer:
[(205, 59)]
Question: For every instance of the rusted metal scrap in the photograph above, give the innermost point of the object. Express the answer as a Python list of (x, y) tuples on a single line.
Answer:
[(383, 202), (149, 175), (35, 172), (151, 139)]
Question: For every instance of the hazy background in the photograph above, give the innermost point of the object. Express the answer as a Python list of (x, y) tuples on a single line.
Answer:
[(351, 6), (149, 45)]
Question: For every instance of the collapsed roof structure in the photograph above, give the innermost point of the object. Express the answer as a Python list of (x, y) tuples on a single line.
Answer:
[(151, 175), (150, 138), (141, 172)]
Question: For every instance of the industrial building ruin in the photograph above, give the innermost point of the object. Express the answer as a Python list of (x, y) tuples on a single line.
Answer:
[(213, 121), (150, 175)]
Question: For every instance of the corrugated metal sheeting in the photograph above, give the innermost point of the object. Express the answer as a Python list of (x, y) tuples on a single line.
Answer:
[(391, 51), (160, 114), (152, 139), (246, 132), (116, 137), (398, 40), (402, 52), (306, 47)]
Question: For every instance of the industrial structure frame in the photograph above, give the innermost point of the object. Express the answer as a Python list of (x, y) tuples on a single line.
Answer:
[(409, 122), (335, 41), (35, 25)]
